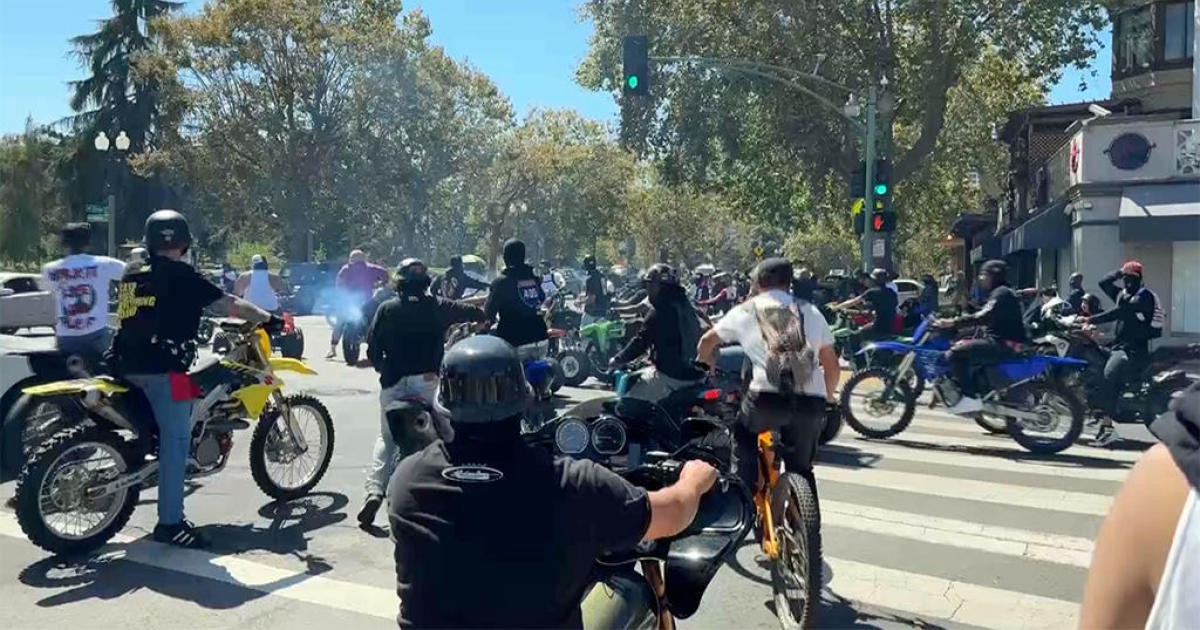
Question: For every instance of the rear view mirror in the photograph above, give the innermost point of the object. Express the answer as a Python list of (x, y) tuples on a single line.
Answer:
[(6, 292)]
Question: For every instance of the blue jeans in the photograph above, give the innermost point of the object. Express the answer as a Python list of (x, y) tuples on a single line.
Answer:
[(385, 455), (91, 346), (174, 420)]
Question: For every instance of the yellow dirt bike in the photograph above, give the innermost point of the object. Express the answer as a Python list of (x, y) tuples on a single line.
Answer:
[(79, 488)]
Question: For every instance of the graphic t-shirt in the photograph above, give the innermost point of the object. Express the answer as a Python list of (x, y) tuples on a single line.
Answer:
[(80, 286), (159, 307)]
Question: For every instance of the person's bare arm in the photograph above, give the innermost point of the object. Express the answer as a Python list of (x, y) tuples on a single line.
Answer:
[(832, 369), (239, 285), (231, 306), (673, 508), (1133, 543), (707, 348), (277, 284), (851, 303)]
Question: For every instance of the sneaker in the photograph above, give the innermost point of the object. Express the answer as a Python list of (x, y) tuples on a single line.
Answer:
[(966, 406), (366, 516), (332, 352), (183, 534), (1105, 435)]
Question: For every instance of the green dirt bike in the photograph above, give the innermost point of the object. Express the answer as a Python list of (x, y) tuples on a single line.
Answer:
[(601, 341), (846, 324)]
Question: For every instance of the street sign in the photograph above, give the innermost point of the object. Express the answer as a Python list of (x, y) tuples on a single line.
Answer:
[(877, 248), (97, 213), (857, 206)]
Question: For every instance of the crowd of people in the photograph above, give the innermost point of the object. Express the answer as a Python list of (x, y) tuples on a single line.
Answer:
[(572, 510)]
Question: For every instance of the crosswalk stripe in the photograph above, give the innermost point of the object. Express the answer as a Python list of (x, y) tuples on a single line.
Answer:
[(970, 489), (1004, 443), (987, 462), (1069, 550), (930, 596)]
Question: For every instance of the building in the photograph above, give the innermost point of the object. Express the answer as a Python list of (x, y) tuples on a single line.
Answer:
[(1095, 184)]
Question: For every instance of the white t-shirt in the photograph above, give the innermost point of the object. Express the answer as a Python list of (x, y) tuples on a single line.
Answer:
[(80, 283), (740, 326)]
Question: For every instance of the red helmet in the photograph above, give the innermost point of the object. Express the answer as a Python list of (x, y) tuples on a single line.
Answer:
[(1132, 268)]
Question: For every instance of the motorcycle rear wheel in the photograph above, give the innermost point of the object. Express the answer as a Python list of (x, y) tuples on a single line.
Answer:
[(575, 366), (269, 444), (50, 480), (350, 348), (796, 573), (1049, 398)]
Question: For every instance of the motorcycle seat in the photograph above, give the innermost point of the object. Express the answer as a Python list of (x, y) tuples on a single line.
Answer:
[(204, 365)]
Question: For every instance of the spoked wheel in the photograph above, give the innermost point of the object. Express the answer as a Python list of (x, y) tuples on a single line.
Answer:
[(991, 423), (866, 409), (796, 572), (40, 418), (58, 504), (287, 462), (1059, 417), (575, 366)]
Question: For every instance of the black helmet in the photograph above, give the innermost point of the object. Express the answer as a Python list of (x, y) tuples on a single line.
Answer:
[(589, 262), (456, 262), (167, 229), (75, 236), (412, 276), (659, 274), (997, 269), (482, 381), (879, 275)]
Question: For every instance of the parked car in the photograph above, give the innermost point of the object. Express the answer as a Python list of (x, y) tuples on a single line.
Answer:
[(909, 289), (25, 302), (573, 279)]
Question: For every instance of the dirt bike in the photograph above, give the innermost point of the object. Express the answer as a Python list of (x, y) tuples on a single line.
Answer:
[(79, 488)]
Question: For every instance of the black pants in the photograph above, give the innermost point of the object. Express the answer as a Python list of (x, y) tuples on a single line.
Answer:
[(1121, 365), (968, 356), (798, 421)]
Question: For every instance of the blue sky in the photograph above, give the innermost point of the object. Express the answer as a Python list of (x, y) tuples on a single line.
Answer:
[(529, 47)]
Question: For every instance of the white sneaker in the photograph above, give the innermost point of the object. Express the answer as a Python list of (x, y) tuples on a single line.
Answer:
[(966, 406)]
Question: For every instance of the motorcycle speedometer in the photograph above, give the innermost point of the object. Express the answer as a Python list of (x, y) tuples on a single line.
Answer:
[(571, 436), (608, 436)]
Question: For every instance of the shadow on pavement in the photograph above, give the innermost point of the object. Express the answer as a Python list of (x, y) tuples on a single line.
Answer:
[(845, 456), (838, 612), (110, 575)]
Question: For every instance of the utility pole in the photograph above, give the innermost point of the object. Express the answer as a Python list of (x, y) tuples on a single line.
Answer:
[(868, 236)]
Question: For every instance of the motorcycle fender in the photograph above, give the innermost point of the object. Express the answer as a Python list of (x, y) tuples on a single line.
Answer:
[(283, 364), (894, 346), (254, 397), (622, 601), (102, 385)]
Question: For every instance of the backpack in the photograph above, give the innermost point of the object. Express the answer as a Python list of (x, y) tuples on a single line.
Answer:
[(1159, 319), (790, 358)]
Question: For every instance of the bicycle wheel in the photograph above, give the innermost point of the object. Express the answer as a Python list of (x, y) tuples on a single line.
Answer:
[(796, 571)]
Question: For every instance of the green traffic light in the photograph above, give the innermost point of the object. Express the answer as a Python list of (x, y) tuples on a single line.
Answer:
[(881, 189), (632, 81)]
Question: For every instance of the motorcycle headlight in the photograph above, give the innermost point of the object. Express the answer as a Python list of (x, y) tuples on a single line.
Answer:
[(571, 436)]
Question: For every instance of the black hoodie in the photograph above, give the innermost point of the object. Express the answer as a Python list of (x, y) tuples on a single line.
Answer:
[(515, 296), (671, 333), (1179, 431)]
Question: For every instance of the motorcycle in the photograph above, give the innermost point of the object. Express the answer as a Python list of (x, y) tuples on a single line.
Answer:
[(1146, 394), (602, 340), (79, 488), (288, 340), (565, 345), (1026, 392)]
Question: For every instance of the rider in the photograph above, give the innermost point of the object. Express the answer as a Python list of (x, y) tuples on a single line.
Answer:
[(490, 531), (1134, 314), (357, 278), (721, 301), (671, 332), (81, 284), (159, 307), (595, 293), (259, 286), (515, 296), (552, 281), (799, 417), (455, 282), (405, 345), (883, 302), (1075, 296), (1001, 314)]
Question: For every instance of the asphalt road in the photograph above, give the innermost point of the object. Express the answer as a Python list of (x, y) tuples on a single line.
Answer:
[(942, 526)]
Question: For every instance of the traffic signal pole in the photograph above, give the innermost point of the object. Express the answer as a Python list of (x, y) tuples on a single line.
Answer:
[(868, 235)]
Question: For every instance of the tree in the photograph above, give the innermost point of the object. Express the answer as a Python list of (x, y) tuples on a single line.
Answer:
[(31, 202)]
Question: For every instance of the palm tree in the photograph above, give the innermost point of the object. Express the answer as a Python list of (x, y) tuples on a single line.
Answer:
[(114, 97)]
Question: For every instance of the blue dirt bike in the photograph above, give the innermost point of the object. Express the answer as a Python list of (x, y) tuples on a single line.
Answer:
[(1024, 393)]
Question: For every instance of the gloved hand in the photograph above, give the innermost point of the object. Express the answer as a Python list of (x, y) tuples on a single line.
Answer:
[(274, 324)]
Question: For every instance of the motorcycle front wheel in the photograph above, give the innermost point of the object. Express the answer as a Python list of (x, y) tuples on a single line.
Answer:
[(1059, 417), (54, 508), (576, 366), (286, 466), (868, 412)]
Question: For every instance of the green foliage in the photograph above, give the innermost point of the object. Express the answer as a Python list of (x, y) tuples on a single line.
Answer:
[(240, 253), (31, 203)]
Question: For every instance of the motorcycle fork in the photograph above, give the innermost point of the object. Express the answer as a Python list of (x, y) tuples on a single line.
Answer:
[(906, 364), (291, 430)]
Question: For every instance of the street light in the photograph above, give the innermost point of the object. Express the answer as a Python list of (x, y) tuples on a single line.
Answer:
[(102, 144)]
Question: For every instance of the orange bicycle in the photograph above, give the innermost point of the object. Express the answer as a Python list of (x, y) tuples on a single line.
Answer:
[(789, 531)]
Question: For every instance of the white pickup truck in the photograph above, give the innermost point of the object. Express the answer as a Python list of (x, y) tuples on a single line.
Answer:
[(25, 302)]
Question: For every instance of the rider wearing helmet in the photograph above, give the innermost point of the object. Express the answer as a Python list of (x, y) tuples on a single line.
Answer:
[(455, 282), (356, 280), (1002, 317), (259, 286), (515, 296), (405, 346), (883, 302), (159, 307), (491, 531), (595, 292), (670, 332)]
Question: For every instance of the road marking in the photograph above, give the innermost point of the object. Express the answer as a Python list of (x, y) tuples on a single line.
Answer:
[(1049, 467), (970, 489), (1069, 550), (983, 606), (287, 583), (1002, 443)]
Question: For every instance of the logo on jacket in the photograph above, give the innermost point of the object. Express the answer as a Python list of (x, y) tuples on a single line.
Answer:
[(472, 473)]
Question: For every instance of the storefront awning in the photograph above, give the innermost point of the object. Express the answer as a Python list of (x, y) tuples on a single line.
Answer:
[(1161, 212), (987, 249), (1048, 229)]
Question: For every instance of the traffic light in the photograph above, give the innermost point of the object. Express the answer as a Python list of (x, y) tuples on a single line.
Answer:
[(883, 220), (858, 183), (883, 179), (635, 64)]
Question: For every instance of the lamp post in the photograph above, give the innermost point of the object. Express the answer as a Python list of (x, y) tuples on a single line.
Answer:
[(121, 145)]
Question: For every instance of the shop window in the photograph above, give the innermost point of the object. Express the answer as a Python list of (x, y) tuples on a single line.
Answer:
[(1134, 40), (1185, 287), (1178, 31)]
